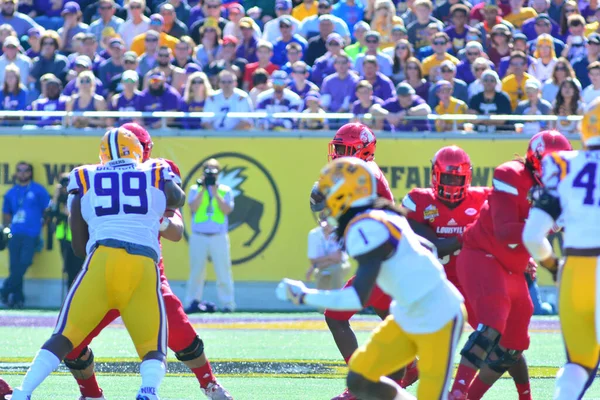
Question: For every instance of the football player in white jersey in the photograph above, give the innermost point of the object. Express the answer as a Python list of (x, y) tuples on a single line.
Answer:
[(116, 209), (571, 191), (427, 313), (225, 100)]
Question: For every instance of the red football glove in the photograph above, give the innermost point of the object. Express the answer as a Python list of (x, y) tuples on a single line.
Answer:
[(4, 389), (531, 269)]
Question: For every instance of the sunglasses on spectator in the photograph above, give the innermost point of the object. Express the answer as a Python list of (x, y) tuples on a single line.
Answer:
[(226, 82), (293, 53), (480, 69), (213, 6), (130, 61), (341, 62), (181, 47), (135, 6), (446, 70), (374, 41), (213, 30), (334, 43), (440, 43), (517, 64), (560, 68), (154, 81), (412, 67), (151, 39), (164, 56), (402, 48), (198, 82), (323, 6), (48, 43), (383, 9), (489, 80), (299, 71), (105, 8), (472, 54), (129, 80), (542, 24), (575, 23), (569, 10), (85, 81)]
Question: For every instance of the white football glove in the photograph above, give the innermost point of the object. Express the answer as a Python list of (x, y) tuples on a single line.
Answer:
[(291, 290)]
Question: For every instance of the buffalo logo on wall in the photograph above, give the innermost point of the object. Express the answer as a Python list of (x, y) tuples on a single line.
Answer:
[(255, 216)]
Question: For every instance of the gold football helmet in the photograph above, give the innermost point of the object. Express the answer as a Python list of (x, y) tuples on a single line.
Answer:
[(119, 143), (590, 124), (346, 182)]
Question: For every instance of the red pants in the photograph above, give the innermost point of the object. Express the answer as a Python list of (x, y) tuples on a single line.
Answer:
[(181, 331), (378, 300), (499, 298), (470, 312)]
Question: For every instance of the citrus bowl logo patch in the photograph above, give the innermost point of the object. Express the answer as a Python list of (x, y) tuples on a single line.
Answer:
[(430, 212), (257, 204)]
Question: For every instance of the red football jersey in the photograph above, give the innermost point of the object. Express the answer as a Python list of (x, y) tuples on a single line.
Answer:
[(426, 208), (383, 187), (177, 180), (499, 230)]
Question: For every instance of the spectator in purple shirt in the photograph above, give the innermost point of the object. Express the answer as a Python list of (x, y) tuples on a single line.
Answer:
[(365, 100), (33, 39), (382, 85), (530, 27), (49, 61), (323, 66), (159, 96), (278, 100), (21, 23), (457, 32), (48, 13), (114, 65), (287, 37), (128, 99), (247, 49), (294, 53), (197, 90), (337, 92), (473, 51), (414, 77), (89, 47), (407, 104), (82, 64), (52, 101), (72, 26), (300, 83)]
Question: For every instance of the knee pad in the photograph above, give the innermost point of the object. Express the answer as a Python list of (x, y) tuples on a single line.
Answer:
[(478, 339), (570, 382), (78, 364), (506, 359), (193, 351)]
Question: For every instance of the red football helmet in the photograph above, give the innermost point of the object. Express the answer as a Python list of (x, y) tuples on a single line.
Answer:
[(355, 140), (451, 174), (542, 144), (143, 136)]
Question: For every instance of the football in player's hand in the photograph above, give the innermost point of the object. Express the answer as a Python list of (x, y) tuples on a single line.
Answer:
[(317, 200)]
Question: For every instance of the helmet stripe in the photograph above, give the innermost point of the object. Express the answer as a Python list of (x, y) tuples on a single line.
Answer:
[(113, 141)]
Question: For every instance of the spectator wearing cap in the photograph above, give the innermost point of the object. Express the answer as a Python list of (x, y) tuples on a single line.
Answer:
[(210, 44), (232, 28), (391, 115), (592, 91), (519, 14), (86, 99), (490, 102), (183, 52), (317, 45), (12, 54), (307, 8), (136, 23), (113, 66), (285, 26), (89, 47), (324, 65), (299, 83), (181, 7), (14, 93), (484, 10), (544, 59), (423, 10), (568, 8), (262, 82), (373, 41), (459, 87), (158, 96), (479, 66), (283, 8), (337, 92), (440, 44), (533, 105), (500, 43), (543, 25), (350, 11), (174, 76), (82, 64), (464, 69), (197, 89), (157, 24), (398, 33), (227, 60), (20, 22), (264, 52), (107, 19), (491, 18), (534, 27), (53, 100), (593, 54), (129, 98), (49, 61), (514, 84), (458, 29), (519, 44), (173, 26), (71, 14), (381, 84), (311, 26), (294, 53), (108, 34), (365, 100), (313, 106), (383, 20), (130, 63), (91, 10), (212, 10), (249, 43), (447, 104), (279, 99), (149, 58), (228, 99), (575, 43), (33, 40), (443, 12), (359, 32)]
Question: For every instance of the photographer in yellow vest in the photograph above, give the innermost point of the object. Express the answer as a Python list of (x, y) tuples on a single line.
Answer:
[(210, 203)]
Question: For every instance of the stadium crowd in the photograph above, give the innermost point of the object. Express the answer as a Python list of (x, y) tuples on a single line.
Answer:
[(389, 58)]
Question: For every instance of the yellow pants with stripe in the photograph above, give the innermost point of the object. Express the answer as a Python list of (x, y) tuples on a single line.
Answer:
[(577, 310), (391, 348), (111, 279)]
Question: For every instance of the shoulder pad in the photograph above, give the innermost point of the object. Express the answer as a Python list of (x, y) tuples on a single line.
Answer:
[(416, 198), (508, 177), (79, 179), (368, 231), (173, 166)]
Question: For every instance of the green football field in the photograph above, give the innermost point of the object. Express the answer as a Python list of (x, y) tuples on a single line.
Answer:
[(256, 356)]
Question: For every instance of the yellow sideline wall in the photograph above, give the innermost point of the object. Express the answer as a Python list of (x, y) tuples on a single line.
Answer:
[(272, 178)]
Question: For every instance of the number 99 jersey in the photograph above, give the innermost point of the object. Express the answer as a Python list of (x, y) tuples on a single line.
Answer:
[(122, 200)]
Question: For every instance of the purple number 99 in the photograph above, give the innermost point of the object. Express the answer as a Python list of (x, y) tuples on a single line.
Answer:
[(107, 184)]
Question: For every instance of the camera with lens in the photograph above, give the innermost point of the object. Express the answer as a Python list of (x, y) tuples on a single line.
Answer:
[(210, 176), (5, 236)]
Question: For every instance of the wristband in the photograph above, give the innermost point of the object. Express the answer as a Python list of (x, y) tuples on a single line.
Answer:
[(164, 224)]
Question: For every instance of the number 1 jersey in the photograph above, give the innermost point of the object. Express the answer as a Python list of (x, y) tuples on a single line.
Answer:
[(122, 200)]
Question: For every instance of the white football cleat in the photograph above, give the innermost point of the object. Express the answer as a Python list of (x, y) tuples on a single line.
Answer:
[(215, 391)]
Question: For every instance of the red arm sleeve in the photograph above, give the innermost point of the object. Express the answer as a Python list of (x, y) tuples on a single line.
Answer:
[(504, 205), (383, 188)]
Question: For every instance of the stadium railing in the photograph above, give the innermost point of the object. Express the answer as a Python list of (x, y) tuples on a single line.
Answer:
[(20, 121)]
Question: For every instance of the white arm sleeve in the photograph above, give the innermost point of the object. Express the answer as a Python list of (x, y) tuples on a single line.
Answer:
[(538, 224), (343, 300)]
